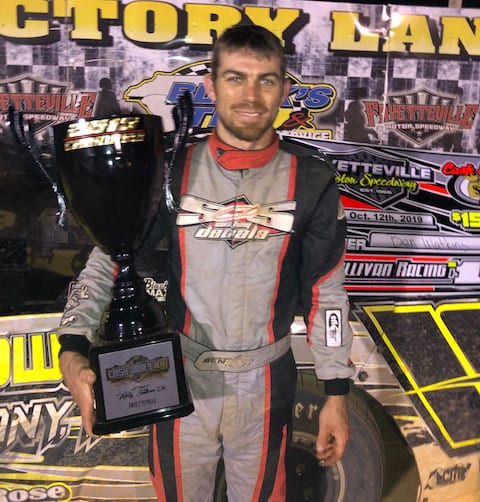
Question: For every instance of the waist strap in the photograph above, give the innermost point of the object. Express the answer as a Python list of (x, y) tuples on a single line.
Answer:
[(232, 360)]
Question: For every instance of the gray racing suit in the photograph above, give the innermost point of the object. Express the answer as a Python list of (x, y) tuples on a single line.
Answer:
[(253, 233)]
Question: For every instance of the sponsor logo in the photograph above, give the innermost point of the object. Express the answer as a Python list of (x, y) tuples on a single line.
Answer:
[(448, 476), (464, 186), (463, 182), (226, 362), (50, 493), (236, 221), (156, 289), (43, 102), (77, 292), (378, 177), (421, 116), (333, 324), (138, 368), (402, 271)]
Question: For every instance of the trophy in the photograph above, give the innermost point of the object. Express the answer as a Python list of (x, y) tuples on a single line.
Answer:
[(112, 172)]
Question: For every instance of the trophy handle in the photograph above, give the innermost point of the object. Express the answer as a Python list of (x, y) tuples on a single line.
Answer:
[(183, 118), (17, 127)]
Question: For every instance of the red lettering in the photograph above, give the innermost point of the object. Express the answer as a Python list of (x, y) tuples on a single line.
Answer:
[(450, 169), (374, 111)]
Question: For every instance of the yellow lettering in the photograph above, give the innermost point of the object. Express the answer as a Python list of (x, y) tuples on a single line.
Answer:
[(282, 20), (164, 22), (37, 361), (203, 19), (123, 124), (83, 127), (93, 127), (349, 35), (4, 361), (86, 16), (458, 30), (15, 25), (409, 32)]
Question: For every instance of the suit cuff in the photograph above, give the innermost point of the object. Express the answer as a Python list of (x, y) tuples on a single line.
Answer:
[(337, 386), (74, 343)]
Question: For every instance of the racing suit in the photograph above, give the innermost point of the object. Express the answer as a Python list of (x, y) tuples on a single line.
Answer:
[(254, 232)]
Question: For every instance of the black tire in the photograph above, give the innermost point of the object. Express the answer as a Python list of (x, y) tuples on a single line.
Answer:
[(358, 475)]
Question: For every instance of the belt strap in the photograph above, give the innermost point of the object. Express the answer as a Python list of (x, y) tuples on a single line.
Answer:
[(232, 360)]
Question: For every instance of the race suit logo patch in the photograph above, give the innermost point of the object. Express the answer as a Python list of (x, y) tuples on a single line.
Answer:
[(236, 221), (333, 325)]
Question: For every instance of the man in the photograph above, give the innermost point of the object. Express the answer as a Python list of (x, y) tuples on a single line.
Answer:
[(258, 223)]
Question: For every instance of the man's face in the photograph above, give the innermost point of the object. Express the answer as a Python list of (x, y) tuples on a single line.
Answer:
[(248, 91)]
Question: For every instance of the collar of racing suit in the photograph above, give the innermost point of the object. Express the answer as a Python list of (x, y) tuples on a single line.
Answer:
[(232, 158)]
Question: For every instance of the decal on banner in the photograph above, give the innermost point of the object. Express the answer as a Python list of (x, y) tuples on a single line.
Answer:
[(448, 476), (464, 183), (421, 116), (44, 103), (377, 177), (49, 493)]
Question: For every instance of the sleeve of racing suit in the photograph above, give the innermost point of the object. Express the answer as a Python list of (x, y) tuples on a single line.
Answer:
[(325, 301), (89, 295)]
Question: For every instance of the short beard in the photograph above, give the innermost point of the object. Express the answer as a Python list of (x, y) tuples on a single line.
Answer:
[(248, 134)]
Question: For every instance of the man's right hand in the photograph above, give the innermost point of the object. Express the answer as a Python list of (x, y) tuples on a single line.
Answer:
[(79, 379)]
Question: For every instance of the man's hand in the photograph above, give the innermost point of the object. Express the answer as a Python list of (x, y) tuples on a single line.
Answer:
[(334, 430), (79, 379)]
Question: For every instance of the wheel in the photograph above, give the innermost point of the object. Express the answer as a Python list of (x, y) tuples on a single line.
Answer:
[(358, 475)]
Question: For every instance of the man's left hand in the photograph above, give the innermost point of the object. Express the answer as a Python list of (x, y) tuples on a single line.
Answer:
[(334, 430)]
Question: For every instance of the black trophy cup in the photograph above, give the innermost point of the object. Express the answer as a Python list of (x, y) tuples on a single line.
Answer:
[(112, 174)]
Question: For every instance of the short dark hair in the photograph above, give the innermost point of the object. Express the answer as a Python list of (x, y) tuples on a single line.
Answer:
[(251, 37)]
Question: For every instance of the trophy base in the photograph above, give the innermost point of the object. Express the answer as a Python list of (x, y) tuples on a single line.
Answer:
[(139, 382), (101, 428)]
